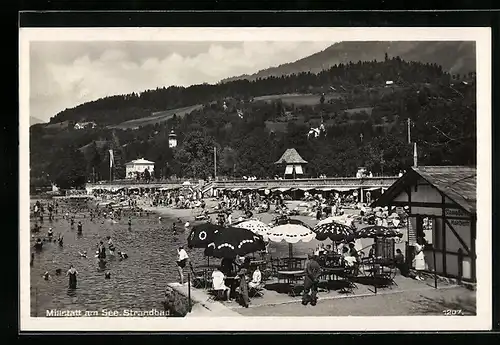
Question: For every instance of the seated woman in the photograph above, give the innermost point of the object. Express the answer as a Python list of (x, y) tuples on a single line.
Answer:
[(347, 258), (256, 278), (218, 282)]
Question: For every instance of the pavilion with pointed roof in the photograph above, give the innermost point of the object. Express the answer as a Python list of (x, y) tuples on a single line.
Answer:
[(294, 163)]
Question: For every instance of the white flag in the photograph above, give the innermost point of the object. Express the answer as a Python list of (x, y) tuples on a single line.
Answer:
[(111, 158)]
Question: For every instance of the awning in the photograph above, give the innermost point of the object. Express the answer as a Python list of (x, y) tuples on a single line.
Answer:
[(282, 189), (344, 189), (306, 189), (235, 189), (373, 188), (326, 189)]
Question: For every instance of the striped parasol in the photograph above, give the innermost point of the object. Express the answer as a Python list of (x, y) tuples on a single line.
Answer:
[(334, 231), (377, 231)]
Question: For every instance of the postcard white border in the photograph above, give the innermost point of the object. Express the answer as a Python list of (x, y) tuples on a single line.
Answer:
[(482, 321)]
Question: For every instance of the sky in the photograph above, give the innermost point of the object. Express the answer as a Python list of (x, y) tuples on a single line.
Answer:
[(66, 74)]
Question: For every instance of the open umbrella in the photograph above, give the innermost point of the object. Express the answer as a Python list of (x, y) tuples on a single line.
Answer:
[(229, 242), (292, 232), (336, 219), (283, 220), (254, 225), (201, 235), (377, 231), (336, 232), (394, 215)]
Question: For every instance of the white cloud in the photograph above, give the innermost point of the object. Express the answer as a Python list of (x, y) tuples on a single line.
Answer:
[(63, 78)]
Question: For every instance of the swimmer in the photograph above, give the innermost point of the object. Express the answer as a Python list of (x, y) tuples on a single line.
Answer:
[(122, 255), (60, 240), (129, 222), (58, 271), (101, 251), (79, 227), (50, 233), (111, 246), (72, 272), (46, 275), (107, 275), (72, 221), (83, 255)]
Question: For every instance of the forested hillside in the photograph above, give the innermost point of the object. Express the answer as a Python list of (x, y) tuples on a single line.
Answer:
[(365, 119), (454, 57)]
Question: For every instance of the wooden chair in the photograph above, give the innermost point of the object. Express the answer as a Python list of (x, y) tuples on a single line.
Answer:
[(348, 276), (257, 291), (198, 279), (217, 295)]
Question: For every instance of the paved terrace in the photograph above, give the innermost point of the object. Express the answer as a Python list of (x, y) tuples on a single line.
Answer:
[(408, 297)]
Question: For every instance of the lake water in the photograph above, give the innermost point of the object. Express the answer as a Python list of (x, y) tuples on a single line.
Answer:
[(137, 282)]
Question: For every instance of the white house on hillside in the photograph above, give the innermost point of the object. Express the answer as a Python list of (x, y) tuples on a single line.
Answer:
[(83, 125), (138, 166), (172, 139)]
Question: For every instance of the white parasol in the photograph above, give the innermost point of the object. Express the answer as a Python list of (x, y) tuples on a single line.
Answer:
[(256, 226), (291, 233)]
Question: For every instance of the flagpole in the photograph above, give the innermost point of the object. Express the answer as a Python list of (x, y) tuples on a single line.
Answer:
[(215, 163), (111, 159)]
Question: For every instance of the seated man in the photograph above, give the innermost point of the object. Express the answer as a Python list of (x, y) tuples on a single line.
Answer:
[(401, 265), (256, 278), (218, 282)]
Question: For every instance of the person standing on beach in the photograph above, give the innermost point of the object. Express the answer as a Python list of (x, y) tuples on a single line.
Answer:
[(182, 260)]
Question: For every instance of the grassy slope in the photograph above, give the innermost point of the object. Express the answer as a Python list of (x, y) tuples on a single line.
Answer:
[(157, 117)]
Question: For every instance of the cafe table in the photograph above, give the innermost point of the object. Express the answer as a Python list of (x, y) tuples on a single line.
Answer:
[(292, 278)]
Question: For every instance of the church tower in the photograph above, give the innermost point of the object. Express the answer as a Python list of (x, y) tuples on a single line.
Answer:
[(172, 139)]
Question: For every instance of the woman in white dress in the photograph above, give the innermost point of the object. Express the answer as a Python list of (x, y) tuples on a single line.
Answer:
[(419, 259)]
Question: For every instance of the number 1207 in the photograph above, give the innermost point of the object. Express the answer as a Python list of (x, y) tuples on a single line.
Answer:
[(452, 312)]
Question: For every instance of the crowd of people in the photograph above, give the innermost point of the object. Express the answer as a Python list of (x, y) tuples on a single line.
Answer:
[(67, 212)]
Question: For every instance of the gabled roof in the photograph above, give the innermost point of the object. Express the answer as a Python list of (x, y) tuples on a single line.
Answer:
[(291, 156), (140, 161), (456, 182)]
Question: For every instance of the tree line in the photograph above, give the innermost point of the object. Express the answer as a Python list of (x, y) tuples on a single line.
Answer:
[(441, 112)]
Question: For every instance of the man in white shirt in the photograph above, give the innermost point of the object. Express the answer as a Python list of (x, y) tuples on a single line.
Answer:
[(256, 278), (218, 282), (182, 259)]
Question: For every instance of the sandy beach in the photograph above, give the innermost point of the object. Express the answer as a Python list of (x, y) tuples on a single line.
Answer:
[(299, 249)]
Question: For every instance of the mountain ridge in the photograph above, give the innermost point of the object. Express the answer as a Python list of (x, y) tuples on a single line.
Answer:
[(453, 56), (35, 121)]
